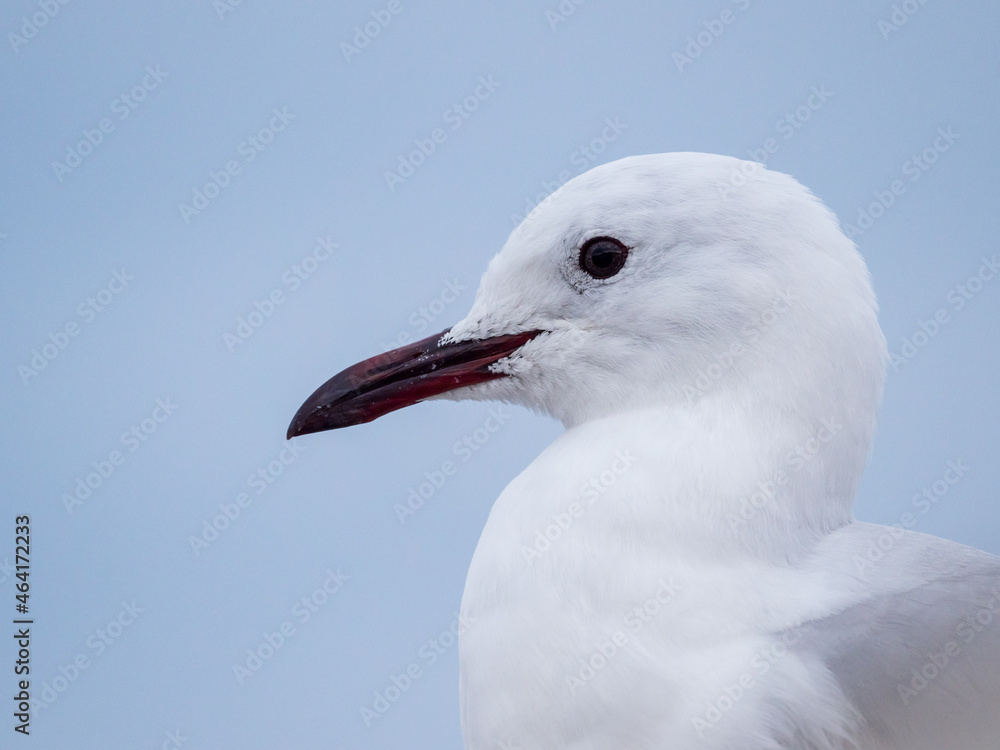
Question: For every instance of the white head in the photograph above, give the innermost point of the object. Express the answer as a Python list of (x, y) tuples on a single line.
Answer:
[(763, 270)]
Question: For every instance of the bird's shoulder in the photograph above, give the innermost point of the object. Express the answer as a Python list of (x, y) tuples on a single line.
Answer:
[(917, 648)]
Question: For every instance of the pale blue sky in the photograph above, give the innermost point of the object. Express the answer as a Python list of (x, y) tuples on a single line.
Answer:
[(172, 95)]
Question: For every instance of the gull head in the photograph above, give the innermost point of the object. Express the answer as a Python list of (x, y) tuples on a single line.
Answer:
[(652, 282)]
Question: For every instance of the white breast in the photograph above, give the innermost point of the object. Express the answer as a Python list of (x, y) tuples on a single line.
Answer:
[(601, 620)]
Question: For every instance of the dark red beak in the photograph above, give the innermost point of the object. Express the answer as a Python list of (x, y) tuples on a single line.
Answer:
[(401, 377)]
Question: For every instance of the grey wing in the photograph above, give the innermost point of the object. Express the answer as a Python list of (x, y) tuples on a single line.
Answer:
[(921, 665)]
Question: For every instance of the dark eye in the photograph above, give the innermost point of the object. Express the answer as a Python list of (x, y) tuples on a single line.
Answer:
[(602, 257)]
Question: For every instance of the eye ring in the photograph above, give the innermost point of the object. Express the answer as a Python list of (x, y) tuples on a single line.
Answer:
[(602, 257)]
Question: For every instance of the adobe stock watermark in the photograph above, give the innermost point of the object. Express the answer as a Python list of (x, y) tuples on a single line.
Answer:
[(363, 35), (427, 655), (422, 318), (913, 168), (31, 25), (787, 126), (581, 158), (922, 502), (796, 460), (562, 12), (900, 16), (291, 281), (762, 661), (590, 493), (173, 739), (223, 8), (103, 469), (455, 116), (88, 310), (463, 450), (259, 481), (957, 298), (302, 611), (938, 662), (249, 149), (605, 652), (711, 30), (97, 644), (748, 336), (122, 107)]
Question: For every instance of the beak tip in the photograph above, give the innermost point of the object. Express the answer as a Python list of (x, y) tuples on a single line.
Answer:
[(298, 427), (307, 421)]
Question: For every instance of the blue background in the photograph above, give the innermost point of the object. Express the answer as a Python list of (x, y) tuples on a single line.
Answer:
[(559, 78)]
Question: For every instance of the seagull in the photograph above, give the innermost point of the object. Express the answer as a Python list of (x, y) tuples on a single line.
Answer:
[(681, 569)]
